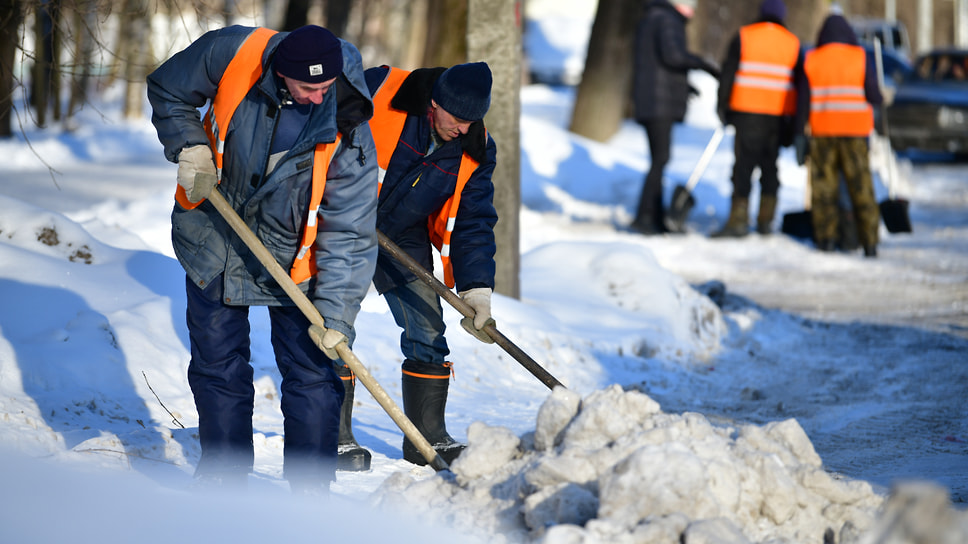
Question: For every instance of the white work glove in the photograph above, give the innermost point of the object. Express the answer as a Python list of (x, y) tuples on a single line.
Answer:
[(479, 299), (196, 172), (327, 340)]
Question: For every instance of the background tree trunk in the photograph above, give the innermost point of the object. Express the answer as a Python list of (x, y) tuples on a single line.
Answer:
[(606, 82), (338, 16), (297, 15), (499, 44), (134, 40), (84, 23), (11, 17), (447, 33)]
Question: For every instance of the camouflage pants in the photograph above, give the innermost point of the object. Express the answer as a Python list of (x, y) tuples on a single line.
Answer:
[(829, 158)]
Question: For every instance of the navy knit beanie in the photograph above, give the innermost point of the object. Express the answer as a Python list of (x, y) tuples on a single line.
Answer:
[(310, 54), (464, 90), (773, 9)]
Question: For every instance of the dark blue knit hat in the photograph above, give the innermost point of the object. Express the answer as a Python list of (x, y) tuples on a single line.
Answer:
[(311, 54), (773, 9), (464, 90)]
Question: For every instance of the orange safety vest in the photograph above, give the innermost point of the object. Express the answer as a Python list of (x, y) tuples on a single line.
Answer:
[(838, 105), (387, 125), (242, 73), (764, 80)]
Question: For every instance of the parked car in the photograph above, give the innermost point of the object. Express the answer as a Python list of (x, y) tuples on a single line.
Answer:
[(930, 107), (892, 35)]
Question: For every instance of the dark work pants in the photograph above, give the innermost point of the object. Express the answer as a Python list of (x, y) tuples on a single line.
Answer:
[(756, 144), (659, 134), (416, 309), (220, 377)]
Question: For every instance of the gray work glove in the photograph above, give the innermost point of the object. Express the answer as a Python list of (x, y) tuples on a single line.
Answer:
[(479, 299), (196, 172), (327, 340)]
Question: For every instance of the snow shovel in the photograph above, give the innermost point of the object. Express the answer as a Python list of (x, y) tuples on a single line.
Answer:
[(682, 199), (468, 312), (894, 210), (310, 311)]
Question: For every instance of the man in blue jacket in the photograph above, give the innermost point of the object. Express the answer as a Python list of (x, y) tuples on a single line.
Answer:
[(288, 113), (438, 161)]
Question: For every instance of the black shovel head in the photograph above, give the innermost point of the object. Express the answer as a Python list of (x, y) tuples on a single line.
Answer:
[(679, 208), (798, 224), (894, 211)]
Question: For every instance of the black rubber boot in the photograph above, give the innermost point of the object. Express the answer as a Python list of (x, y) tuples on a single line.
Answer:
[(764, 220), (350, 456), (737, 225), (424, 387)]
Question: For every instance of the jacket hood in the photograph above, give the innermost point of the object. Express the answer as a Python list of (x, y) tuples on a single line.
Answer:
[(836, 29)]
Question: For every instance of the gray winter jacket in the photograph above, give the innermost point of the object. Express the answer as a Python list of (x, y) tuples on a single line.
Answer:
[(273, 204)]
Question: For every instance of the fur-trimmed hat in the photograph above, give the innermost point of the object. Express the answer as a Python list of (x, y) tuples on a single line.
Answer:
[(311, 54), (464, 91)]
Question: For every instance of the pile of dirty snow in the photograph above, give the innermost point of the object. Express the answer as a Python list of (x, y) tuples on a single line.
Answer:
[(614, 468)]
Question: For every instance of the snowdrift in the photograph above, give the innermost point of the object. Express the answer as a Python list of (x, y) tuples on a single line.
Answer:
[(613, 467)]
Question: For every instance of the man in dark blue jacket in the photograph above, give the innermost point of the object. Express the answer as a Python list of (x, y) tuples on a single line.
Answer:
[(438, 160), (306, 95)]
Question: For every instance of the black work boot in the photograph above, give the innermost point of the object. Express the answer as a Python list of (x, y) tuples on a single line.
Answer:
[(424, 387), (350, 456), (737, 225), (764, 220)]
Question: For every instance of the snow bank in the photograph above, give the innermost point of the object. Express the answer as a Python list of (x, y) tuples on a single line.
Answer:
[(614, 468)]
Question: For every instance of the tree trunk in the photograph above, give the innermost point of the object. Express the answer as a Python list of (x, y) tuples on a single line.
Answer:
[(338, 16), (499, 44), (11, 16), (135, 37), (606, 83), (297, 15), (446, 33), (42, 74), (83, 23)]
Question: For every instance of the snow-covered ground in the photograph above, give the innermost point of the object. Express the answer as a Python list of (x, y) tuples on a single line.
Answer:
[(717, 390)]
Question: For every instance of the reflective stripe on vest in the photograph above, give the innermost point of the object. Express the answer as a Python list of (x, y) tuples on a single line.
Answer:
[(838, 104), (387, 126), (243, 71), (764, 80), (304, 266)]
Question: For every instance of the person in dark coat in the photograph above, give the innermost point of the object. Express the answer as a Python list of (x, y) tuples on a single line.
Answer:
[(758, 97), (306, 94), (660, 95), (836, 95), (438, 160)]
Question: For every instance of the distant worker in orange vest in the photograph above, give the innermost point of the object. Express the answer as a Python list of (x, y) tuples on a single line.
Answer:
[(835, 98), (757, 96), (299, 167), (438, 160)]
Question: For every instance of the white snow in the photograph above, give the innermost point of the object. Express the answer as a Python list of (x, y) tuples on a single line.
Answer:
[(720, 391)]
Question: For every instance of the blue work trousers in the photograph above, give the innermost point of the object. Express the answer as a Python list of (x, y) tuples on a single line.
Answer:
[(220, 377), (416, 309)]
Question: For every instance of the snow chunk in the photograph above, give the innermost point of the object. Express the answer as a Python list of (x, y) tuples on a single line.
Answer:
[(613, 467)]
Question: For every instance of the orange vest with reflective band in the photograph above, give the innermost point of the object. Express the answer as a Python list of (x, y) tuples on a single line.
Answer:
[(242, 73), (387, 125), (838, 104), (764, 80)]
